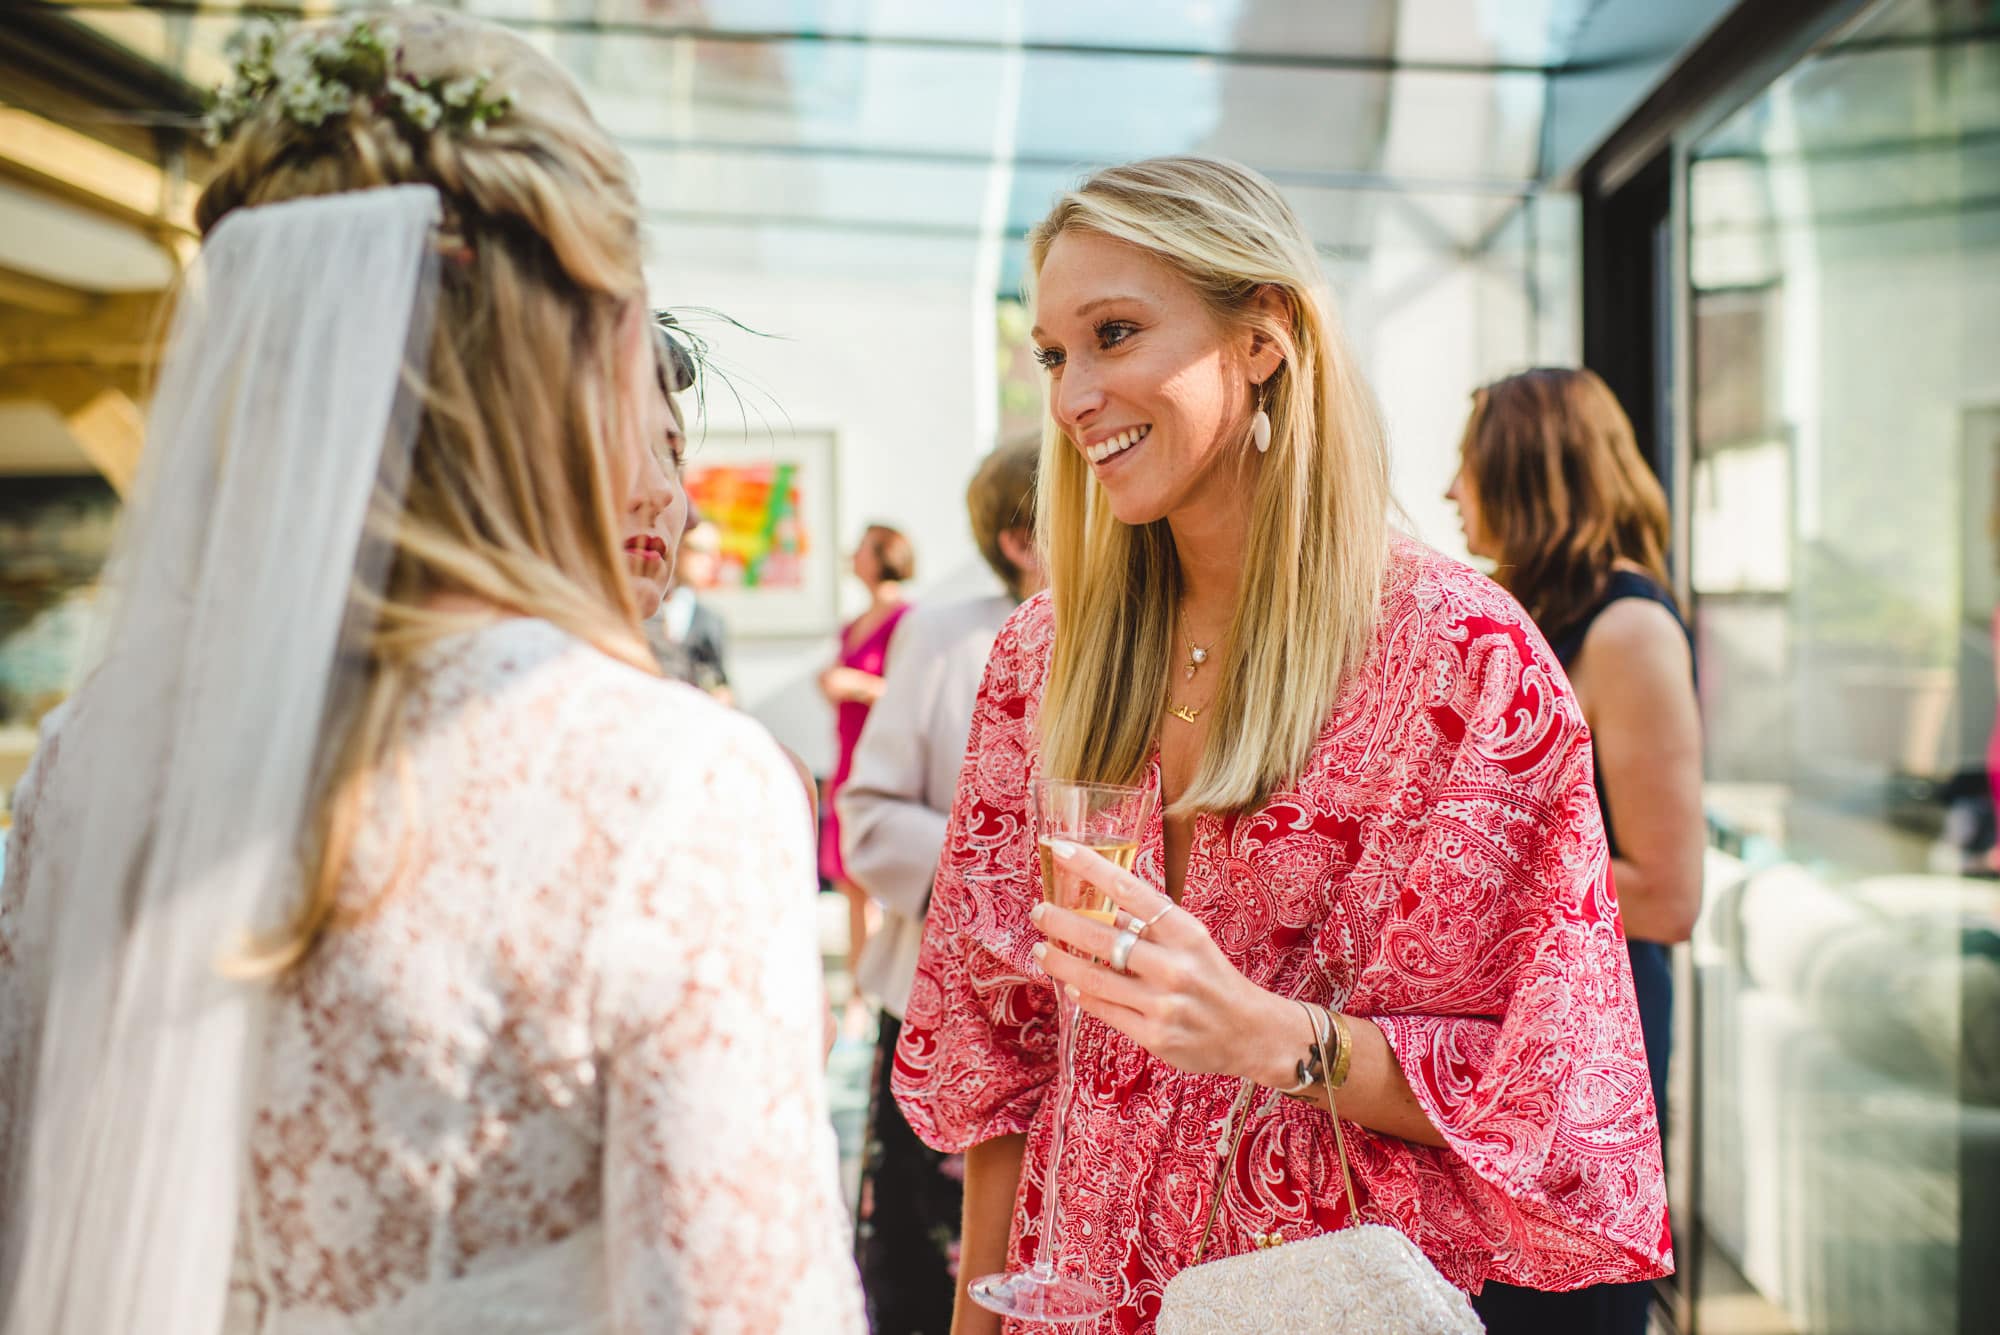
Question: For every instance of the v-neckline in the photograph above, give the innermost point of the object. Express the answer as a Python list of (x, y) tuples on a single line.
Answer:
[(1156, 831)]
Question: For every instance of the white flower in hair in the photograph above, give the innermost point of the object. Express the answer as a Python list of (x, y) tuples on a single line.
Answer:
[(317, 77), (462, 93), (418, 107)]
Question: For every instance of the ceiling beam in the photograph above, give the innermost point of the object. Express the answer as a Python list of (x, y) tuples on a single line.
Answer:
[(67, 388), (121, 330), (1300, 177), (111, 430), (58, 159), (41, 40), (889, 227), (30, 292)]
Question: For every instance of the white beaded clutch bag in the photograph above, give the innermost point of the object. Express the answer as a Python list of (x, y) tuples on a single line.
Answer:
[(1367, 1279)]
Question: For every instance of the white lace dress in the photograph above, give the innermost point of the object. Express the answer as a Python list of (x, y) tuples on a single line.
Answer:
[(559, 1070)]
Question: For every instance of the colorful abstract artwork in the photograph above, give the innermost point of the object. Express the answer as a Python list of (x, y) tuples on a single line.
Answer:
[(759, 509), (771, 496)]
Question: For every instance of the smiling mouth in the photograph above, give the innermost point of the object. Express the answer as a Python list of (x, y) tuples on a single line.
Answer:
[(648, 546), (1118, 444)]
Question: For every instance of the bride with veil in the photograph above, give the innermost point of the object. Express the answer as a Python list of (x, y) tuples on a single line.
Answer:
[(384, 946)]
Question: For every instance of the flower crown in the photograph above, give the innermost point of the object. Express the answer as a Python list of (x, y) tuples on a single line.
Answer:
[(316, 78)]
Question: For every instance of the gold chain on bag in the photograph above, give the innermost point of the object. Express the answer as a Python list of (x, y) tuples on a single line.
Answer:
[(1385, 1284), (1239, 1117)]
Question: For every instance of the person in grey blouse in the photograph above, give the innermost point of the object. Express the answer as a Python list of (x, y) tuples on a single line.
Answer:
[(893, 810)]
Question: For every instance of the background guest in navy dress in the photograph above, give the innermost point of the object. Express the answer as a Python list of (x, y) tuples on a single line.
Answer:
[(1552, 488)]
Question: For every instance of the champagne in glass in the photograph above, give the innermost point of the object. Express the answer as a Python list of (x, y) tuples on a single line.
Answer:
[(1111, 821), (1061, 888)]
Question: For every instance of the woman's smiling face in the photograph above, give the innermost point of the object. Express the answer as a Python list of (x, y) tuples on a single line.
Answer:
[(1145, 381)]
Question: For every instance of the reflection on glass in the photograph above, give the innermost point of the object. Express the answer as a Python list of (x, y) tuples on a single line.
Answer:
[(1845, 255)]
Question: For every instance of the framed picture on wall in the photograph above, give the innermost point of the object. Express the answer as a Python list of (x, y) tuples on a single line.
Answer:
[(771, 495)]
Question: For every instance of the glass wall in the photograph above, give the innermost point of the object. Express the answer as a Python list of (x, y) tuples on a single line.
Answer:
[(1843, 504)]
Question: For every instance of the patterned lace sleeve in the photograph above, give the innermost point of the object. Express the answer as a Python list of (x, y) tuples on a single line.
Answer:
[(722, 1205), (1538, 1080), (978, 1041)]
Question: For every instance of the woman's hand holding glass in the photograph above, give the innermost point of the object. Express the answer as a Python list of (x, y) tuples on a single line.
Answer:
[(1178, 997)]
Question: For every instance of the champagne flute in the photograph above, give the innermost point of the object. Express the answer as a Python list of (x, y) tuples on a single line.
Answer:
[(1110, 820)]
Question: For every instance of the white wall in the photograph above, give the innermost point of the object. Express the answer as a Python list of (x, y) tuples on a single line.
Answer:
[(1431, 326), (891, 370)]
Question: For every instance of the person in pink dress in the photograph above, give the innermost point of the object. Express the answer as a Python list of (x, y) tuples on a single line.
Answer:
[(1374, 795), (884, 561)]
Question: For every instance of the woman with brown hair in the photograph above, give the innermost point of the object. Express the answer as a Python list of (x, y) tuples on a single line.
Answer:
[(1552, 489), (384, 946)]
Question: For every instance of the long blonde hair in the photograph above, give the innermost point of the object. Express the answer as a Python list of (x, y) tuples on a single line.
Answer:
[(1312, 577), (511, 497)]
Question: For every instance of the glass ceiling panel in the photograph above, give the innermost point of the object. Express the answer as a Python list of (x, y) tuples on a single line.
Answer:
[(1075, 105), (903, 118), (1529, 34)]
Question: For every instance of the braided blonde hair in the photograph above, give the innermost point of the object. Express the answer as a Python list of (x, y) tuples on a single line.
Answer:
[(516, 471)]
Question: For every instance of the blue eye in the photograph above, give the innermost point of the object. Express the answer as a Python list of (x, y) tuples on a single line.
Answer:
[(1050, 359)]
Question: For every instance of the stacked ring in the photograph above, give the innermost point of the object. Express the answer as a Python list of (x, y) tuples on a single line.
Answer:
[(1121, 949)]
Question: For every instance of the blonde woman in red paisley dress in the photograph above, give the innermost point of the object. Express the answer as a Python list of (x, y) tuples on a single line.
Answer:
[(1376, 796)]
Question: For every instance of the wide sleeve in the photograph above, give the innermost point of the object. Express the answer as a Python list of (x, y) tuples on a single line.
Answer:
[(1503, 986), (721, 1197), (890, 839), (978, 1043)]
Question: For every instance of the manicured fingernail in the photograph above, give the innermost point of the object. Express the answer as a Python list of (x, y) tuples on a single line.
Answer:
[(1035, 913), (1041, 951), (1069, 990), (1062, 848)]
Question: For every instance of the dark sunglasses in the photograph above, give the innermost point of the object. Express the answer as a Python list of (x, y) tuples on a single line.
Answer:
[(676, 366)]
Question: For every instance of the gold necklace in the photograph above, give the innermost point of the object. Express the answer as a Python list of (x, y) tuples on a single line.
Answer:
[(1197, 655)]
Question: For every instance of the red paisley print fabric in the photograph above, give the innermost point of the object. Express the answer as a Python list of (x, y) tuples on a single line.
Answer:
[(1440, 868)]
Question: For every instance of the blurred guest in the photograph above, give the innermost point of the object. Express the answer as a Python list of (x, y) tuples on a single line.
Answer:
[(693, 626), (384, 945), (892, 817), (1551, 487), (688, 636), (1373, 822), (884, 561)]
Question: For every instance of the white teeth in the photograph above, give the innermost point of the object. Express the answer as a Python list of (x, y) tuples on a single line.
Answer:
[(1118, 444)]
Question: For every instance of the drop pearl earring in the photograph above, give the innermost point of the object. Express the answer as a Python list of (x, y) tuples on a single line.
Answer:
[(1260, 431)]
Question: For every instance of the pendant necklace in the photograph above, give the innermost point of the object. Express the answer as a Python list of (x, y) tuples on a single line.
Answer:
[(1197, 656)]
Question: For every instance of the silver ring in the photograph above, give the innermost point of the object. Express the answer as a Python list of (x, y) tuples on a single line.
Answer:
[(1121, 949), (1141, 928)]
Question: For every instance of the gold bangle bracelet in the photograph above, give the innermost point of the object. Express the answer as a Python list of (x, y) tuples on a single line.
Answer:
[(1344, 1055)]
